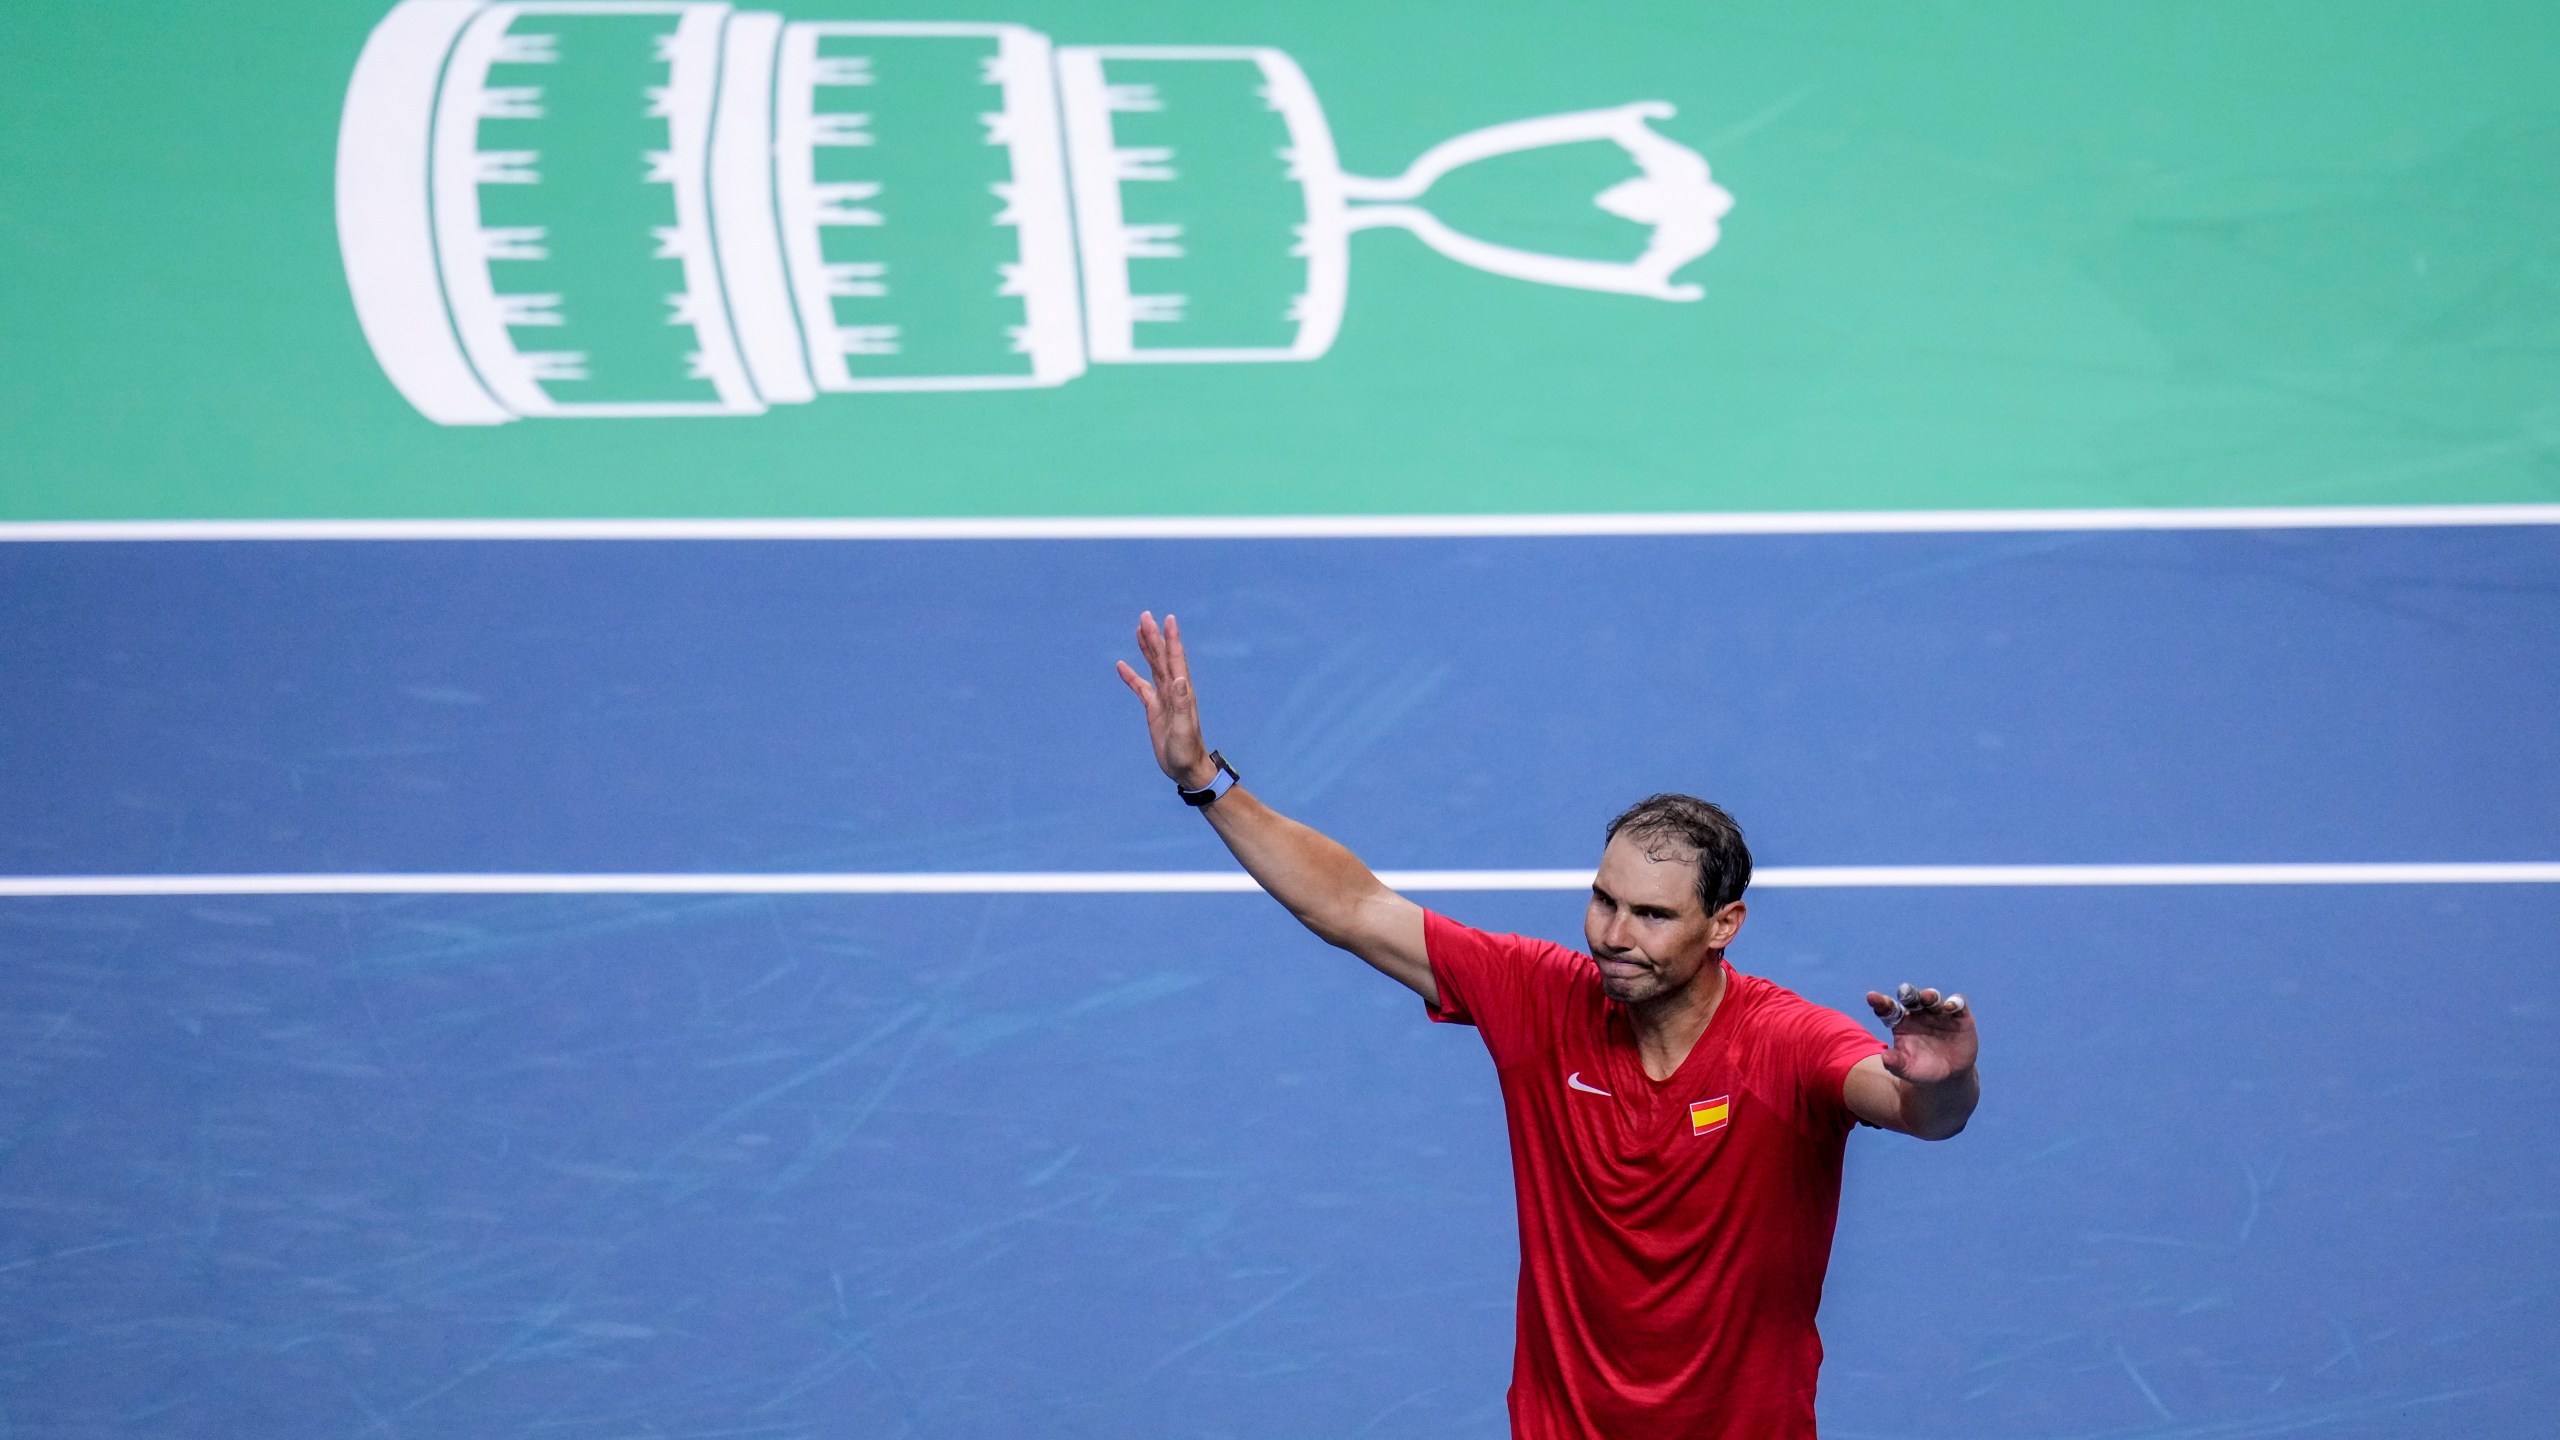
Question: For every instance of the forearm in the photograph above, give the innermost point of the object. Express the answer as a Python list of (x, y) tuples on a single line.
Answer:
[(1323, 884), (1316, 877)]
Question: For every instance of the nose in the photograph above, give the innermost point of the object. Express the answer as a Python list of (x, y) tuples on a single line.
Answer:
[(1613, 935)]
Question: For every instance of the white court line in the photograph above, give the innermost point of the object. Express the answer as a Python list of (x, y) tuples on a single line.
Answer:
[(1308, 527), (1200, 882)]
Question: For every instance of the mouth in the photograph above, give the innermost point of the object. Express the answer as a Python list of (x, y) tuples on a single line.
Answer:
[(1620, 969)]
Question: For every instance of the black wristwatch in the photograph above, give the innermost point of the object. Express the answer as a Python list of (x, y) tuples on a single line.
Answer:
[(1221, 780)]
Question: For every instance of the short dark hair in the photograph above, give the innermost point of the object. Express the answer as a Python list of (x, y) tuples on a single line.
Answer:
[(1724, 862)]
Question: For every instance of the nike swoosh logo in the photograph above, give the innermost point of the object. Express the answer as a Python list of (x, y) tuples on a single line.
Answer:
[(1574, 1081)]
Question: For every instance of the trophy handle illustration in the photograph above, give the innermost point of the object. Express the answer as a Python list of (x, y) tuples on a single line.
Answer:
[(1673, 194)]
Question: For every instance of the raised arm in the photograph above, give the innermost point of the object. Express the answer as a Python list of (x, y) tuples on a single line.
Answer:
[(1926, 1085), (1322, 883)]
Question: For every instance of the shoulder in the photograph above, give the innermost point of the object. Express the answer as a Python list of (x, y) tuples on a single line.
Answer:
[(1779, 1016), (1457, 943), (1801, 1053), (1770, 1001), (1482, 975)]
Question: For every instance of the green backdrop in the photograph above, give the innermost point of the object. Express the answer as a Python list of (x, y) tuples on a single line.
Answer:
[(1981, 254)]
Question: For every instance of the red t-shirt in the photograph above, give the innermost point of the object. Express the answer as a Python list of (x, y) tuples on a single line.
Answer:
[(1674, 1233)]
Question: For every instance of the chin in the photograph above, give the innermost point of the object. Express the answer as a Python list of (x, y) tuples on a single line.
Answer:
[(1628, 992)]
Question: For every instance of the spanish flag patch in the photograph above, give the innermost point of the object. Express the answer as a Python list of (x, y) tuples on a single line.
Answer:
[(1708, 1116)]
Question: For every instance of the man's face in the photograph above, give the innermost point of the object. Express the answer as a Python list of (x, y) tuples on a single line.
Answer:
[(1647, 931)]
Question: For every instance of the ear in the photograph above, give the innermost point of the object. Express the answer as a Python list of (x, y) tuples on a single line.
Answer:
[(1726, 923)]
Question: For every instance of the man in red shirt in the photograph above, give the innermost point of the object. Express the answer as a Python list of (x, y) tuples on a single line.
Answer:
[(1676, 1126)]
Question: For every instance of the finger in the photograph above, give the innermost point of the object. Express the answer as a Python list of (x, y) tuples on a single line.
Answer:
[(1887, 1009), (1151, 641), (1931, 1003), (1174, 655)]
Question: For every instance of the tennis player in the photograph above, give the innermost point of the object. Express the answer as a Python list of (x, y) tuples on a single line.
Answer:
[(1676, 1126)]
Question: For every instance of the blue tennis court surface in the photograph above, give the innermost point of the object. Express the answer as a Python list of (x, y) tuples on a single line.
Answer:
[(2218, 696), (2253, 1161)]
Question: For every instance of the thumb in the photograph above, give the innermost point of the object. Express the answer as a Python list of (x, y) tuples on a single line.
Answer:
[(1145, 692)]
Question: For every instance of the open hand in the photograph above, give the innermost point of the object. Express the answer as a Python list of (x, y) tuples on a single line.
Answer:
[(1173, 711), (1933, 1035)]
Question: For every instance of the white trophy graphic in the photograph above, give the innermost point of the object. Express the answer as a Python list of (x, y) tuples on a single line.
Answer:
[(635, 209)]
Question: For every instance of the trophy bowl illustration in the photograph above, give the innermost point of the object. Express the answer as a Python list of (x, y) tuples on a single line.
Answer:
[(599, 208)]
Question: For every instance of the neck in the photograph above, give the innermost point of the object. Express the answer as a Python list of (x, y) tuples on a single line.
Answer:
[(1668, 1026)]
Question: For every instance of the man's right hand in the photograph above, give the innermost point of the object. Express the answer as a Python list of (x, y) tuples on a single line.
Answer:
[(1323, 884), (1173, 709)]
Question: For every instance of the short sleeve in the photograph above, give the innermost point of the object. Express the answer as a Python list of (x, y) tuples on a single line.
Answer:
[(1822, 1047), (1508, 986)]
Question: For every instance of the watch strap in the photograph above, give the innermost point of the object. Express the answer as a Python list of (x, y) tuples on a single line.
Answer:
[(1221, 780)]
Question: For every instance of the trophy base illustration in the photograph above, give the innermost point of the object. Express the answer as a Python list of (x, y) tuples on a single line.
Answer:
[(598, 208)]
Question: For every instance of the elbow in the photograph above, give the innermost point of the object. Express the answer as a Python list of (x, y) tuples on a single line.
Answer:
[(1331, 926), (1345, 921)]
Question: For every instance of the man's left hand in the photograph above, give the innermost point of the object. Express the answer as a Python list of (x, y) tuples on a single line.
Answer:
[(1933, 1035)]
